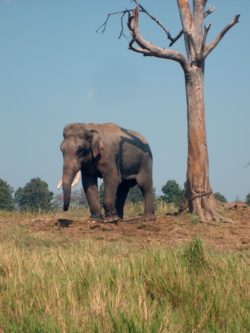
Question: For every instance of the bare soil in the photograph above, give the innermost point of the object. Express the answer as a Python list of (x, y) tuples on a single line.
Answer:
[(168, 230)]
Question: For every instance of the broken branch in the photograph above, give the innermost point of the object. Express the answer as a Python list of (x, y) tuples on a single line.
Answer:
[(142, 10), (209, 11), (203, 44), (214, 43)]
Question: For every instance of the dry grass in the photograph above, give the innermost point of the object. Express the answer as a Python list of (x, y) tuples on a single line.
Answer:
[(63, 285)]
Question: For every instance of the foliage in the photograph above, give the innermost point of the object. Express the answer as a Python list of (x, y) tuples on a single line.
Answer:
[(135, 195), (55, 285), (101, 193), (248, 199), (172, 193), (34, 196), (6, 199), (220, 197)]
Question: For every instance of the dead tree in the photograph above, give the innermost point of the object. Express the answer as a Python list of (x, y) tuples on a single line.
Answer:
[(199, 193)]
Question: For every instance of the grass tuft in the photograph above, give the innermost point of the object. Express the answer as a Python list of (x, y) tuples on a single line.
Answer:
[(194, 254)]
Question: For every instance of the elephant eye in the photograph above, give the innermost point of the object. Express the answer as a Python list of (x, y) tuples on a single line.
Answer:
[(82, 151)]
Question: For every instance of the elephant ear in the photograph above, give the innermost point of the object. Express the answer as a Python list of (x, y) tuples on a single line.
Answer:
[(96, 143)]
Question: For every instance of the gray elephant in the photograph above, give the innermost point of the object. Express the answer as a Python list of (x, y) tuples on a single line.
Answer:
[(121, 157)]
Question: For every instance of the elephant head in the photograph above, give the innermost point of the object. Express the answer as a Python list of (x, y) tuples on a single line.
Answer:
[(80, 146)]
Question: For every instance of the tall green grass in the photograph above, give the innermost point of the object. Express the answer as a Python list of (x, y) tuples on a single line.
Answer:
[(89, 286)]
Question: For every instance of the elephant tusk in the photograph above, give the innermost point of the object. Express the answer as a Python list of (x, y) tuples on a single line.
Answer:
[(59, 185), (76, 179), (74, 183)]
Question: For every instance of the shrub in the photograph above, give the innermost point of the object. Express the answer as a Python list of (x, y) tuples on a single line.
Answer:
[(172, 193), (6, 199), (34, 196), (220, 197)]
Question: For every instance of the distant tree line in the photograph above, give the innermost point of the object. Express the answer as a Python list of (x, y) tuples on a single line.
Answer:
[(36, 196), (6, 199)]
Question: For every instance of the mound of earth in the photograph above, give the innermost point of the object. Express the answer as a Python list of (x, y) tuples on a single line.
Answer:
[(167, 229)]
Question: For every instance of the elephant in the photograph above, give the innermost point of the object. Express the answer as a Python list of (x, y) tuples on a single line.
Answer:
[(121, 157)]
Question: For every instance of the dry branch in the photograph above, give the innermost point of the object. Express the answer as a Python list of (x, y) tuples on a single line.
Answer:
[(153, 18), (209, 11), (215, 42), (104, 25), (144, 11), (148, 48), (203, 44)]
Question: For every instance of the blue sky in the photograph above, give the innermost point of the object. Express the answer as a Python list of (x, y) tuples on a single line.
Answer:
[(54, 69)]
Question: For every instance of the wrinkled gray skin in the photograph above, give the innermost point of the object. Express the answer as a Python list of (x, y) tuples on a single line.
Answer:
[(121, 157)]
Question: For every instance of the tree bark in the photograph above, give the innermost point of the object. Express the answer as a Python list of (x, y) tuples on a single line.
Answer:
[(198, 190)]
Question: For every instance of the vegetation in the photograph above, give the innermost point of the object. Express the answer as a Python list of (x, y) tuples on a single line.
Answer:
[(248, 199), (172, 193), (54, 284), (34, 196), (6, 199), (135, 195), (220, 197)]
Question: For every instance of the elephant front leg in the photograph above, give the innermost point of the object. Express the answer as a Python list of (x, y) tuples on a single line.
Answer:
[(111, 184), (91, 191)]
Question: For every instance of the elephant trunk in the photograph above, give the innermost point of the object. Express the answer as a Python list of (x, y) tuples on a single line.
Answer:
[(68, 177)]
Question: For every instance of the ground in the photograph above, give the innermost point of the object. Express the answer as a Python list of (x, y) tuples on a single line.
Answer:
[(169, 230)]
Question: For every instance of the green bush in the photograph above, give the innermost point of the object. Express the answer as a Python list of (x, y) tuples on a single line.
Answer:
[(6, 199), (34, 196), (220, 197), (172, 193)]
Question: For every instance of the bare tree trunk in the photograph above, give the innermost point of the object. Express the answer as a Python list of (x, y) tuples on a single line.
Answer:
[(192, 13), (198, 191)]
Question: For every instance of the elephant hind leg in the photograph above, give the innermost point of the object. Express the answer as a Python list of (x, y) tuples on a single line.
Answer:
[(146, 187), (121, 196)]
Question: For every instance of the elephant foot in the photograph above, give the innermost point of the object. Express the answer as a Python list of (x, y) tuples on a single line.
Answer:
[(96, 218), (111, 217)]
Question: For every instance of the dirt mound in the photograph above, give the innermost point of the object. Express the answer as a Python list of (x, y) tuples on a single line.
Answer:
[(169, 230)]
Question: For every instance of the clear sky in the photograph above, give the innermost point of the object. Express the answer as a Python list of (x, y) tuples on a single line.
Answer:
[(54, 69)]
